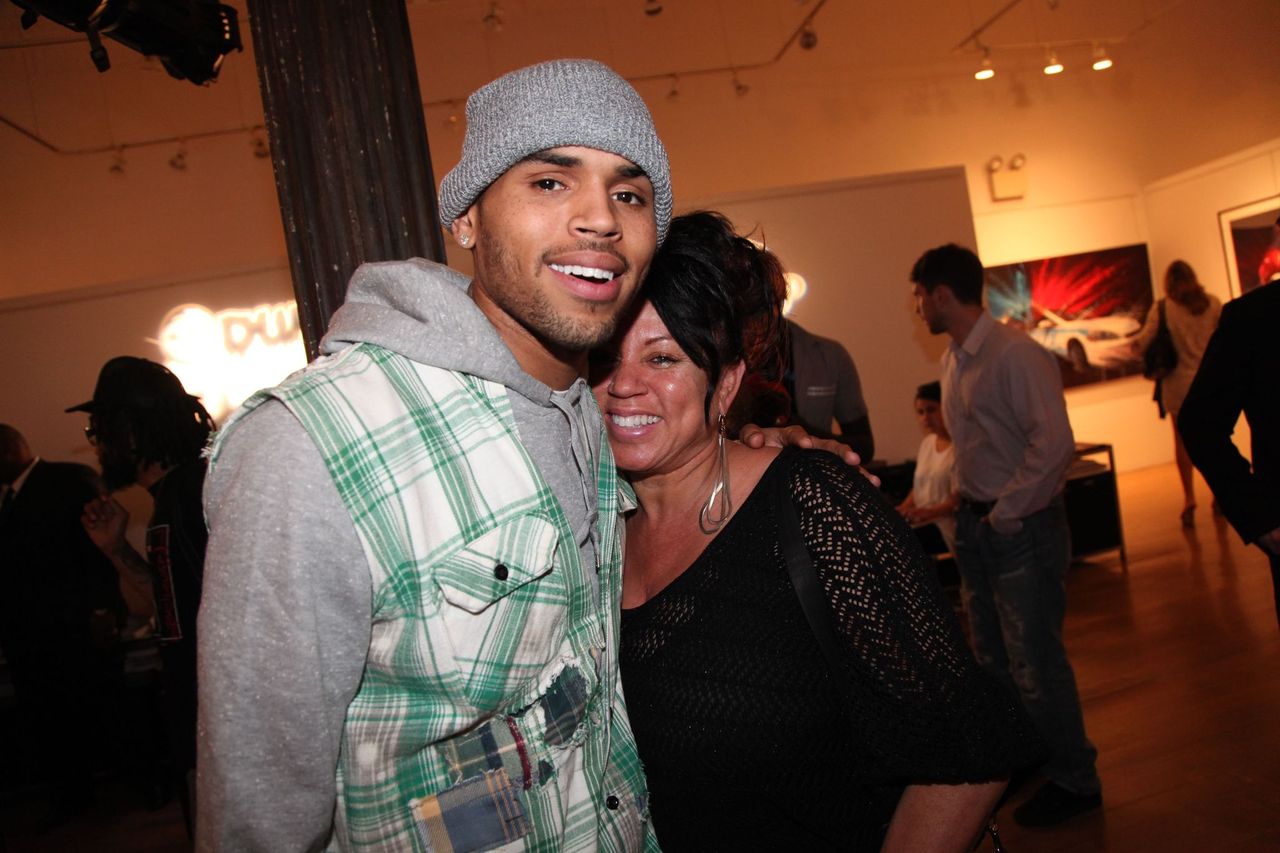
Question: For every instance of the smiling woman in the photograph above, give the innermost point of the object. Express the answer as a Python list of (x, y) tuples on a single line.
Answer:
[(749, 737)]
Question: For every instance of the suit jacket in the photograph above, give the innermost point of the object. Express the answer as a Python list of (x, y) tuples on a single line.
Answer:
[(1240, 373), (52, 577)]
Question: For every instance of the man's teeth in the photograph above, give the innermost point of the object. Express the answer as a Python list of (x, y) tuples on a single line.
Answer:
[(634, 420), (583, 272)]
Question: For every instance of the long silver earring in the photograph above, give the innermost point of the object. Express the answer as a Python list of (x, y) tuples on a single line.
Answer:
[(720, 505)]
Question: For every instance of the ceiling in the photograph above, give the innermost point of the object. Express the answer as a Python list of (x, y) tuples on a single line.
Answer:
[(51, 94)]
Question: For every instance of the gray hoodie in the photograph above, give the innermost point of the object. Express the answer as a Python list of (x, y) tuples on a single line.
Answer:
[(285, 619)]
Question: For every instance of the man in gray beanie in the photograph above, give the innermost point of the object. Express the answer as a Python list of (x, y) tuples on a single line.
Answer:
[(409, 625)]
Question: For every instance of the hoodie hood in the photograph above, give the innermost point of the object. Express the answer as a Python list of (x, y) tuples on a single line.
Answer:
[(422, 311)]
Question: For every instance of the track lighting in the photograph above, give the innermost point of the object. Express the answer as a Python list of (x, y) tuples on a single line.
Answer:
[(258, 144), (985, 70), (808, 38), (117, 162), (493, 19), (178, 162), (1101, 62), (739, 87), (652, 7), (1052, 65), (674, 92)]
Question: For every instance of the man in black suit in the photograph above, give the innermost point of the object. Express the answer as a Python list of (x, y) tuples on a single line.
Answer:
[(1240, 372), (59, 601)]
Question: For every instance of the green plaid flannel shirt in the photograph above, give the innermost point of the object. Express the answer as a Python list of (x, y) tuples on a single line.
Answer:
[(490, 714)]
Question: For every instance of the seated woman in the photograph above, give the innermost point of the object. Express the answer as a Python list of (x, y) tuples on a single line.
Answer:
[(933, 499), (750, 739)]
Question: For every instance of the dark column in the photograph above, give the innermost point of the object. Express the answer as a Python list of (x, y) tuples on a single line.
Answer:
[(348, 143)]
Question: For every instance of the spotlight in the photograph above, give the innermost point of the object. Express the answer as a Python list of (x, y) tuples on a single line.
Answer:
[(493, 20), (190, 37), (258, 144), (1052, 65), (1101, 62), (808, 38), (117, 162), (985, 70), (652, 7), (178, 162), (739, 87), (675, 88)]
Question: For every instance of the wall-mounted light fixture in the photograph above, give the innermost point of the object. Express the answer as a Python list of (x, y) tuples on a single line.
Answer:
[(1008, 179)]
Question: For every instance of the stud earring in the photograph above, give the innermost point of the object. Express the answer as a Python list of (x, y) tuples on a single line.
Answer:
[(465, 240)]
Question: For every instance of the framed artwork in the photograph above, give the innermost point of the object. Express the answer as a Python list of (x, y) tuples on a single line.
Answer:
[(1251, 243), (1085, 308)]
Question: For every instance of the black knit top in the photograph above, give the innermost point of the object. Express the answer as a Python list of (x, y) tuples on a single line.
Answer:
[(748, 739)]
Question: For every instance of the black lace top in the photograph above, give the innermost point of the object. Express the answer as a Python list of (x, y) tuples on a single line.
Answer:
[(747, 738)]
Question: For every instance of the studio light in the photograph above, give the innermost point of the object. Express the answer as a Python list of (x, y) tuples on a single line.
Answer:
[(985, 70), (1052, 65), (189, 37), (1101, 62)]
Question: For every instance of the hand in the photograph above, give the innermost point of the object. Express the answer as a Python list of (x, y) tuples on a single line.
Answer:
[(797, 436), (105, 520), (1270, 542)]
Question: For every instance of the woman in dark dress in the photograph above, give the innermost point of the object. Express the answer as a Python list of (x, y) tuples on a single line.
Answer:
[(749, 738)]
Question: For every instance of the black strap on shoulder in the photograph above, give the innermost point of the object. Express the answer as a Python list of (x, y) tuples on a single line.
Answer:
[(803, 576)]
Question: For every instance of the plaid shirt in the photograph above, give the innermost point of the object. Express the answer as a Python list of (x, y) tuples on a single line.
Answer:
[(490, 713)]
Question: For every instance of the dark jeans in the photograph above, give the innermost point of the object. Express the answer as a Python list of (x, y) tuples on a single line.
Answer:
[(1014, 590)]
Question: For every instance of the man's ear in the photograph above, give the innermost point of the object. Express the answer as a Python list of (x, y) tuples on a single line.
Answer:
[(463, 228), (729, 386)]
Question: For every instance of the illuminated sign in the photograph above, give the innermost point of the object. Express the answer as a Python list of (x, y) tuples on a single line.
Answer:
[(224, 356)]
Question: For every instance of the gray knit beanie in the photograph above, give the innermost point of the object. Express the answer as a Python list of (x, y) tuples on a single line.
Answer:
[(563, 102)]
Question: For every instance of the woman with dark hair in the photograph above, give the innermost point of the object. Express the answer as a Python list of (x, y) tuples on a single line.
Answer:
[(760, 729), (1191, 314), (933, 499)]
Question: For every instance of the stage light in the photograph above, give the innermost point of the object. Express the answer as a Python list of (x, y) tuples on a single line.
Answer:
[(1101, 61), (189, 37), (1052, 65)]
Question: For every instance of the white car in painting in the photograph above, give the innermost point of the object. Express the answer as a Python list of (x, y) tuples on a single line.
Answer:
[(1094, 342)]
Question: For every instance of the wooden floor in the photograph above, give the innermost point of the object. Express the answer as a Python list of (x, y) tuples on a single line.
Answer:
[(1178, 660)]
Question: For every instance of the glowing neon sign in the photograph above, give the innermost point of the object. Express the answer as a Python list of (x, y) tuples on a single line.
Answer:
[(224, 356)]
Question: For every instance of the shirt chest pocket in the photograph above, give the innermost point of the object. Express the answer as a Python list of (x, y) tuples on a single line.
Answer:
[(504, 606)]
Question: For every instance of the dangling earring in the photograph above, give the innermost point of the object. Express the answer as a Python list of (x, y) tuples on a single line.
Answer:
[(720, 505)]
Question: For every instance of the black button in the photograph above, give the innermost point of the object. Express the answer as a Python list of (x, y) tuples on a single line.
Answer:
[(500, 572), (611, 802)]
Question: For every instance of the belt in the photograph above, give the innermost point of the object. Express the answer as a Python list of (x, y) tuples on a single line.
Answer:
[(978, 508)]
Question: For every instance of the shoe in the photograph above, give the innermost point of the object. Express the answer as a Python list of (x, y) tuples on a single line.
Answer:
[(1188, 516), (1053, 804)]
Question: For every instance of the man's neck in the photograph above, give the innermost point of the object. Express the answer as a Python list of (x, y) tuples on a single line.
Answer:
[(152, 473), (962, 323), (553, 367)]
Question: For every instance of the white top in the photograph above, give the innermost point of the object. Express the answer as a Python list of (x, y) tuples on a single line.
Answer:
[(933, 483)]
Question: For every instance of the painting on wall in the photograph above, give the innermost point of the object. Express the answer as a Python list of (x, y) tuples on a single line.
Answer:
[(1251, 243), (1084, 308)]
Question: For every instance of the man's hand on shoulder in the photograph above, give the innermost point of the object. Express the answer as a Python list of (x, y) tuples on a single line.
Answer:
[(797, 436)]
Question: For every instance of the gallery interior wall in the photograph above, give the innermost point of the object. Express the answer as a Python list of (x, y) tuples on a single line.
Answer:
[(1146, 153)]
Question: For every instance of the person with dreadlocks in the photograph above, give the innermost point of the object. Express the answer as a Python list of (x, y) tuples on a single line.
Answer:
[(148, 430)]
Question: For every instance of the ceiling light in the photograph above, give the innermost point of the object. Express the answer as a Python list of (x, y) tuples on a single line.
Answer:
[(1052, 65), (985, 70), (739, 87), (808, 38), (117, 162), (1101, 62), (652, 7), (179, 160), (675, 88), (493, 20), (258, 144)]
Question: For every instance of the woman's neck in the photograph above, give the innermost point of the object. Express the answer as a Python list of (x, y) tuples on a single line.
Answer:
[(663, 495)]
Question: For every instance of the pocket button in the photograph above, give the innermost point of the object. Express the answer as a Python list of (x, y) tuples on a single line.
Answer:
[(500, 572)]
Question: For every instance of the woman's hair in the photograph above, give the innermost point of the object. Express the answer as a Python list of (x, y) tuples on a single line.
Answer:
[(1184, 288), (720, 296), (930, 391)]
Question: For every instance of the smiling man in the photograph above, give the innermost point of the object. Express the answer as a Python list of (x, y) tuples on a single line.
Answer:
[(409, 629)]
